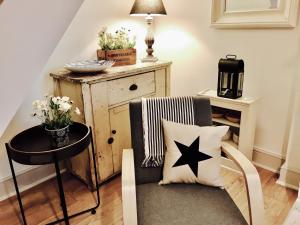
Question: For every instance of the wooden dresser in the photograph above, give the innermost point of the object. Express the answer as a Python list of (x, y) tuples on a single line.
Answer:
[(103, 100)]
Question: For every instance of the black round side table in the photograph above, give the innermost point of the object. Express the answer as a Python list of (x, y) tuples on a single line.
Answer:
[(33, 147)]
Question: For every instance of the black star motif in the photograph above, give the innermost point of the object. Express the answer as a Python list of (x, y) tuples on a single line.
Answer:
[(190, 155)]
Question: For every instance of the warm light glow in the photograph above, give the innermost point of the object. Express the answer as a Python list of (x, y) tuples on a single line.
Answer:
[(186, 50), (174, 38)]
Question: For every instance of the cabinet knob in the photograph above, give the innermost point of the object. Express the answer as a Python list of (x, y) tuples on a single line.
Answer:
[(133, 87), (110, 140), (114, 131)]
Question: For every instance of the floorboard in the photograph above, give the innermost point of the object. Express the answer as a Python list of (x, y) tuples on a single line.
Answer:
[(42, 205)]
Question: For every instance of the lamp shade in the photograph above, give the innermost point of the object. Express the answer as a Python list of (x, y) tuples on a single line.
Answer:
[(148, 7)]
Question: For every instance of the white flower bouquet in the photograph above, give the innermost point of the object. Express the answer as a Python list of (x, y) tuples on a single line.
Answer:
[(54, 112)]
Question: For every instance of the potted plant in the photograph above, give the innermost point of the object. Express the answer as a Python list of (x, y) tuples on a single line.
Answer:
[(56, 116), (117, 46)]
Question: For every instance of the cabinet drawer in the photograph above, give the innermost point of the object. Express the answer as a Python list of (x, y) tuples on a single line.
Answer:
[(128, 88)]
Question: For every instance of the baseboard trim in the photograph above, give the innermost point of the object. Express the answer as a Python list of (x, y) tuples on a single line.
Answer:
[(289, 177), (267, 160), (268, 152), (265, 167), (26, 180), (20, 172), (284, 184)]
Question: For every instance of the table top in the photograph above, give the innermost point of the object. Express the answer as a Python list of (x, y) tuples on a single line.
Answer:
[(109, 74), (33, 146), (242, 100)]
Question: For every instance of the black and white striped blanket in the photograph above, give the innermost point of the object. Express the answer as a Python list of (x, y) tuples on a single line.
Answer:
[(176, 109)]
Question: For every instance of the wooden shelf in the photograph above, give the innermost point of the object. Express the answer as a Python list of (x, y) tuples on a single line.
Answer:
[(247, 106), (226, 122)]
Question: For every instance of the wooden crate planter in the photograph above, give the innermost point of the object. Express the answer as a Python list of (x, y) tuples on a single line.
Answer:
[(122, 57)]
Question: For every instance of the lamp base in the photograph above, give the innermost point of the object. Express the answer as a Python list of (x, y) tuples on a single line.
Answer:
[(149, 59)]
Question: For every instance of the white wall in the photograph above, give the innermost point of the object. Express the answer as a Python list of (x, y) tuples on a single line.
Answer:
[(29, 31), (293, 153), (290, 170), (270, 55), (78, 42)]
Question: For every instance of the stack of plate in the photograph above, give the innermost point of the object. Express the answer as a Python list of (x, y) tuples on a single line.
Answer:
[(89, 66)]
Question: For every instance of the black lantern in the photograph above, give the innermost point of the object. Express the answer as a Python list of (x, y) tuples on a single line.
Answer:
[(231, 77)]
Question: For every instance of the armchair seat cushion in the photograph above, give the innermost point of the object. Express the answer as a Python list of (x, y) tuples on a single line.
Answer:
[(186, 204)]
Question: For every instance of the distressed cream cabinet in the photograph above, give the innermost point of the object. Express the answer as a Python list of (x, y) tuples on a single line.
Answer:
[(103, 100)]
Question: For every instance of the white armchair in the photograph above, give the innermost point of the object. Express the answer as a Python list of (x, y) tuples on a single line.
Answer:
[(293, 217), (139, 184)]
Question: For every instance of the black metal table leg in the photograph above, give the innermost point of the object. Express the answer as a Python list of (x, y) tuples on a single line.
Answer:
[(93, 209), (16, 186), (61, 192), (95, 170)]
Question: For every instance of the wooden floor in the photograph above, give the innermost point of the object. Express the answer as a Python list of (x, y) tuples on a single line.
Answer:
[(42, 203)]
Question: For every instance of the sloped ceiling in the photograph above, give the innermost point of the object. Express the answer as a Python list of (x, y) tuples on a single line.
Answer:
[(77, 40), (29, 32)]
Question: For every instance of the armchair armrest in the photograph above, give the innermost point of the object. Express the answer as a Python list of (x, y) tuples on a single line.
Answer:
[(253, 184), (128, 188), (294, 214)]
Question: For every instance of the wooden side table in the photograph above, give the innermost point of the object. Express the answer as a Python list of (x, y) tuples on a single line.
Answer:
[(33, 147), (246, 108)]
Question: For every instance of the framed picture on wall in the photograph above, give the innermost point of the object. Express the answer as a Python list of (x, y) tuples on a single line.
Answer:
[(254, 13)]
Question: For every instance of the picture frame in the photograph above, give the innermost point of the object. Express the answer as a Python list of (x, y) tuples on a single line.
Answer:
[(284, 16)]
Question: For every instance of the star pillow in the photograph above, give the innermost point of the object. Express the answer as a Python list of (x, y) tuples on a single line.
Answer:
[(193, 154)]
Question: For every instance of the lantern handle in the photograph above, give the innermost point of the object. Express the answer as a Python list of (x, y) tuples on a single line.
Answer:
[(229, 56)]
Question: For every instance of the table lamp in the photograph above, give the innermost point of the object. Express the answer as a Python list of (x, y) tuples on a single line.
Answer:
[(148, 8)]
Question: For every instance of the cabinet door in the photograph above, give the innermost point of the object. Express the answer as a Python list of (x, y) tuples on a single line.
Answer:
[(100, 117), (120, 132)]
